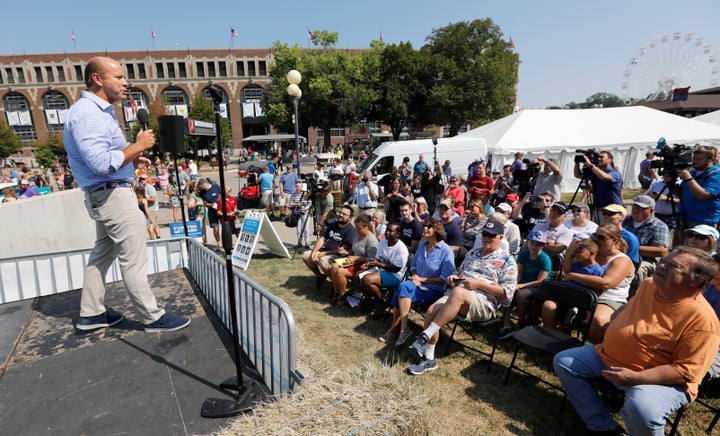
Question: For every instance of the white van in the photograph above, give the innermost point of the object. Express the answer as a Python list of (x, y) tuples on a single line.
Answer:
[(461, 152)]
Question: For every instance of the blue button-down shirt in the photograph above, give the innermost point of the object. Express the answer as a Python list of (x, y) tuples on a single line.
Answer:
[(94, 142)]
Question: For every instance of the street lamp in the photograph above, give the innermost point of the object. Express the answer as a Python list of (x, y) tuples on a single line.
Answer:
[(294, 78)]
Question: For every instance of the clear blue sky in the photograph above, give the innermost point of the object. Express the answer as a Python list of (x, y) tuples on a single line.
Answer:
[(568, 49)]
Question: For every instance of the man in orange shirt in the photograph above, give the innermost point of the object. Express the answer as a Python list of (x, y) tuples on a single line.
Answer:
[(657, 349)]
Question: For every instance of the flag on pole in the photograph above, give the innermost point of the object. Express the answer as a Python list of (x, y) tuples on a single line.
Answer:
[(153, 35), (310, 34), (233, 33), (72, 36), (381, 38), (512, 43)]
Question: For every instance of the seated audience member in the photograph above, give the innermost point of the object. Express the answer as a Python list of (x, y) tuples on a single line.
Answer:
[(385, 270), (657, 349), (533, 269), (712, 295), (504, 245), (471, 226), (379, 224), (531, 210), (363, 249), (393, 199), (703, 237), (336, 241), (580, 259), (512, 231), (615, 214), (558, 236), (420, 209), (411, 229), (484, 282), (653, 236), (484, 195), (580, 223), (614, 285), (432, 264), (453, 234)]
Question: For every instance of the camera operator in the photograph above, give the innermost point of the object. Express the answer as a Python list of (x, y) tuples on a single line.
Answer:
[(606, 180), (549, 178), (666, 191), (366, 194), (700, 189), (531, 211)]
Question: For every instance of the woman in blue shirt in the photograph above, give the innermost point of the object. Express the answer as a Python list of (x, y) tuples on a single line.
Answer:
[(432, 264)]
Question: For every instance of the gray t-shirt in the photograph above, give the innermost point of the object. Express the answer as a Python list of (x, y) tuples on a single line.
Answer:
[(366, 248)]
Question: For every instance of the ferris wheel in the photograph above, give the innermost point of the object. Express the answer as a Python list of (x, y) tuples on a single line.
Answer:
[(674, 60)]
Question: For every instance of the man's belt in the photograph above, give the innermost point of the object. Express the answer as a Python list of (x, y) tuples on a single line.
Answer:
[(113, 185)]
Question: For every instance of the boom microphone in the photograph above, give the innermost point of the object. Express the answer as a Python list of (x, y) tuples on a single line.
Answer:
[(144, 117)]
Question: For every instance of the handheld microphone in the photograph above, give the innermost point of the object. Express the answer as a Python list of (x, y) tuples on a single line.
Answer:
[(144, 117)]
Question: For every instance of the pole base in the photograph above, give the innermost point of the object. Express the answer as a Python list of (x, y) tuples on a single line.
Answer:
[(249, 396)]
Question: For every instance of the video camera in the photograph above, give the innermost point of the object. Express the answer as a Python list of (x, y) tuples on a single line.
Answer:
[(524, 179), (593, 154), (314, 185), (674, 159)]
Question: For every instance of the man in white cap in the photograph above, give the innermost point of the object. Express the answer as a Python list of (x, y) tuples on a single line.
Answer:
[(653, 236), (27, 191), (512, 231)]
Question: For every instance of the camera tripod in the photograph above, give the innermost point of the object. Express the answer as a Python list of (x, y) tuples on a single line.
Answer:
[(586, 172), (307, 214)]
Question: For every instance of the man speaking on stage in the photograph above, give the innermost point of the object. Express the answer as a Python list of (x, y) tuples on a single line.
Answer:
[(104, 167)]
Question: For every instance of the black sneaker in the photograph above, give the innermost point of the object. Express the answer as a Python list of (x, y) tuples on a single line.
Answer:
[(167, 323), (107, 319), (419, 345), (320, 281), (506, 333), (617, 431)]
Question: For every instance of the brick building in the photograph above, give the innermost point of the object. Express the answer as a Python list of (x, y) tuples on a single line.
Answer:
[(36, 90)]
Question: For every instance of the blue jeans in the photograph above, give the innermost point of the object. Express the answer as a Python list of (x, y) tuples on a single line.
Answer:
[(645, 407)]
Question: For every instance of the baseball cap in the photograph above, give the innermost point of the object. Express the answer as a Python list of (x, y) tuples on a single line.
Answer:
[(512, 197), (644, 201), (562, 207), (24, 182), (494, 227), (615, 208), (447, 203), (504, 207), (537, 236), (579, 206), (705, 230)]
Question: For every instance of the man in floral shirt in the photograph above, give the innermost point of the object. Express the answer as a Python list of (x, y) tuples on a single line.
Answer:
[(485, 281)]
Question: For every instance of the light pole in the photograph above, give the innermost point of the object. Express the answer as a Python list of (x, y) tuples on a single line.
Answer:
[(294, 78)]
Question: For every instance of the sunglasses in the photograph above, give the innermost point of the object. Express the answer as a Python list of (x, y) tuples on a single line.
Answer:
[(488, 235), (428, 226), (577, 211), (600, 237), (555, 212), (608, 213), (693, 235)]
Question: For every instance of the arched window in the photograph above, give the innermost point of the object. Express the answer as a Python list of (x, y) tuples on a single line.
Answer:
[(55, 106), (17, 111), (175, 100), (135, 100), (250, 101)]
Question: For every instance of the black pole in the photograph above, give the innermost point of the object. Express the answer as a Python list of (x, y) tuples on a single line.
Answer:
[(249, 393)]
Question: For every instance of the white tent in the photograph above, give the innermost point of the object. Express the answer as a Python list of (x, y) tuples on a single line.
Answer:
[(627, 132), (712, 118)]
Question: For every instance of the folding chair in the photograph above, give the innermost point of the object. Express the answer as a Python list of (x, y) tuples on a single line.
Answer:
[(491, 326), (710, 390), (538, 341)]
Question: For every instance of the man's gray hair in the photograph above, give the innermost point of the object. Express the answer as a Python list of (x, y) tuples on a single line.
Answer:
[(703, 269)]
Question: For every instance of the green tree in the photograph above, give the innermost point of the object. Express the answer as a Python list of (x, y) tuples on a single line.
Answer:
[(401, 94), (9, 142), (333, 85), (473, 74), (45, 157)]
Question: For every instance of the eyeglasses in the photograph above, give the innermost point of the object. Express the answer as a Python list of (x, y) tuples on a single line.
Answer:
[(555, 212), (488, 235), (428, 226), (576, 211), (672, 265), (600, 237), (609, 213), (693, 235)]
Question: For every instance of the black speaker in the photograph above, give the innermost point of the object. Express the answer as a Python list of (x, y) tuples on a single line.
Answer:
[(172, 134)]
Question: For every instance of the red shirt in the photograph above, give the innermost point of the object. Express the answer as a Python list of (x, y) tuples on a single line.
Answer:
[(230, 207), (477, 182)]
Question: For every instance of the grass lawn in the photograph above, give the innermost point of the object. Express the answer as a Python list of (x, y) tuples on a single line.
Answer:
[(357, 385)]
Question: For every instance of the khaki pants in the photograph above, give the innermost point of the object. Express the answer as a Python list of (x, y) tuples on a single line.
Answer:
[(120, 229)]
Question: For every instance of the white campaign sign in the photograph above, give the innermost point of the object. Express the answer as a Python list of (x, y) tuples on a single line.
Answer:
[(252, 229)]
